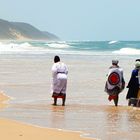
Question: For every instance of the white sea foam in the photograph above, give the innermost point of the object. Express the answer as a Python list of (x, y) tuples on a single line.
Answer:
[(112, 42), (9, 48), (63, 47), (48, 48), (58, 45), (127, 51)]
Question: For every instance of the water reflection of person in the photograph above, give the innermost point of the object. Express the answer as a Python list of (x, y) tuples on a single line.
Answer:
[(113, 118), (134, 82), (57, 117)]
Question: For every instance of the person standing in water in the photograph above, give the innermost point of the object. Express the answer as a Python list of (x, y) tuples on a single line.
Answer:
[(59, 83), (115, 82), (134, 84)]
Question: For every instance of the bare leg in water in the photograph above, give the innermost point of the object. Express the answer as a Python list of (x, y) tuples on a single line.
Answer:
[(55, 101), (63, 100), (116, 100)]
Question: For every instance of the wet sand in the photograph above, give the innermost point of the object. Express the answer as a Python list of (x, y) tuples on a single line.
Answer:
[(16, 130), (3, 100), (27, 80)]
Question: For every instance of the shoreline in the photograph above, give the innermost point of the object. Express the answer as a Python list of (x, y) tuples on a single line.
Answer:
[(26, 80), (19, 130), (3, 100)]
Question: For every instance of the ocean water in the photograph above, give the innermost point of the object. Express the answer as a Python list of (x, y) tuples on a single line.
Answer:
[(71, 47), (25, 76)]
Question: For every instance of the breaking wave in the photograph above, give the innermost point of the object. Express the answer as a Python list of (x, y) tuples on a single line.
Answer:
[(58, 45), (127, 51), (71, 47), (112, 42)]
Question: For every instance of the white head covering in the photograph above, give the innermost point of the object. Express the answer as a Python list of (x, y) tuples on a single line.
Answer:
[(115, 62), (137, 64)]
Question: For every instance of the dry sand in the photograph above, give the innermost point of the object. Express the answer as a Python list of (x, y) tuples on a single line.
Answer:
[(13, 130)]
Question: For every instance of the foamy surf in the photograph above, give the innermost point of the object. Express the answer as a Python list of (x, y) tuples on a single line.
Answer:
[(112, 42), (58, 45), (19, 48), (103, 48), (127, 51)]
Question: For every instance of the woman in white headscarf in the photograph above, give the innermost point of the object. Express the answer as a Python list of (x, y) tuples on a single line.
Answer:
[(59, 83)]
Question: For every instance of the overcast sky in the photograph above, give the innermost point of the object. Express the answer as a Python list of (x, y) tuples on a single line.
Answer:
[(78, 19)]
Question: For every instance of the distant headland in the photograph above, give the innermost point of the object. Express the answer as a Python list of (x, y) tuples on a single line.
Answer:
[(23, 31)]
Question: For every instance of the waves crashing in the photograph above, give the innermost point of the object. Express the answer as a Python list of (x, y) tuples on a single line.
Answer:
[(71, 47)]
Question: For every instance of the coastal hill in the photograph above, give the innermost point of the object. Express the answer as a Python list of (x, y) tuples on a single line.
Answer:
[(23, 31)]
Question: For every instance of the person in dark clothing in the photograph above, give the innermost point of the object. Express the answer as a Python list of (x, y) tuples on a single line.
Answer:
[(137, 59), (133, 85)]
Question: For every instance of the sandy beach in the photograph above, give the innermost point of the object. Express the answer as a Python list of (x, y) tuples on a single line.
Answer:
[(30, 112), (19, 131), (3, 100)]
